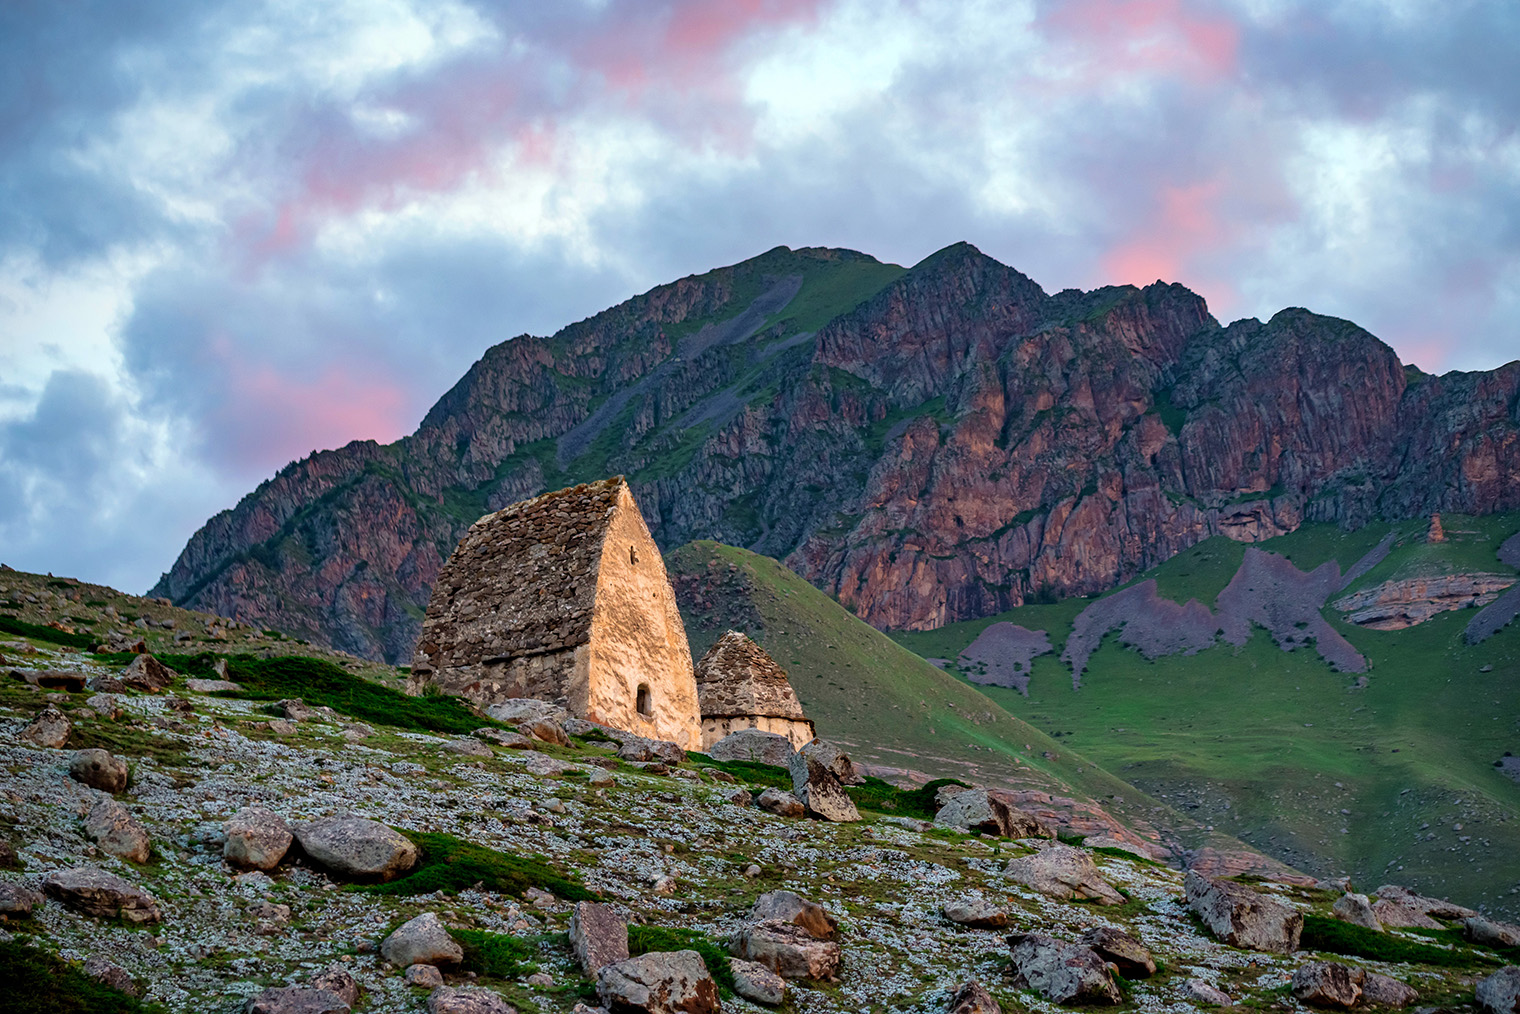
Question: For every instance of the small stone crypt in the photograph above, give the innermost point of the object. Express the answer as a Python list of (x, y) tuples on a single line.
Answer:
[(564, 598), (739, 686)]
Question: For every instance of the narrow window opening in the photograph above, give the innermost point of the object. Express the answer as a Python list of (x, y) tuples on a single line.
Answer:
[(642, 700), (633, 556)]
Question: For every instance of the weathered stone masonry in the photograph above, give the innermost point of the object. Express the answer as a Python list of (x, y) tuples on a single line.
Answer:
[(740, 686), (564, 598)]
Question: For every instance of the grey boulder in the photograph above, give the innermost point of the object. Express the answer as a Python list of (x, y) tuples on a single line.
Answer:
[(256, 839), (1062, 972), (638, 749), (598, 936), (423, 940), (981, 812), (978, 913), (756, 983), (788, 950), (972, 998), (95, 892), (1064, 873), (296, 1000), (660, 982), (17, 899), (817, 784), (357, 847), (1332, 985), (444, 1000), (1500, 992), (117, 832), (1495, 934), (786, 906), (1206, 993), (1357, 910), (1241, 917), (780, 802), (99, 769), (754, 745), (1130, 956), (48, 729)]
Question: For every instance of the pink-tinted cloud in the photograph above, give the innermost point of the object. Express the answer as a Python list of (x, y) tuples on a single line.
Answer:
[(680, 63), (1187, 227), (1116, 39), (268, 418)]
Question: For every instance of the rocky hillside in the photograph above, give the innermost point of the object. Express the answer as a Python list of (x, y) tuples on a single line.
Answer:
[(186, 841), (927, 445)]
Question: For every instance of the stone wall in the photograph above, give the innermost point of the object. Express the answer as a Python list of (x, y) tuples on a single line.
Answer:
[(714, 729), (637, 639)]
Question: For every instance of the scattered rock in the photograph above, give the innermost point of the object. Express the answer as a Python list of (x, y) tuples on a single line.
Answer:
[(104, 705), (978, 913), (598, 936), (661, 982), (468, 747), (1063, 872), (144, 673), (1239, 916), (547, 731), (979, 811), (117, 832), (444, 1000), (636, 748), (424, 976), (269, 919), (293, 709), (101, 970), (600, 778), (1500, 992), (1133, 958), (754, 745), (256, 839), (1207, 994), (282, 727), (780, 802), (1328, 984), (742, 797), (201, 686), (785, 906), (17, 899), (357, 847), (545, 766), (1399, 906), (1495, 934), (756, 983), (817, 784), (788, 950), (972, 998), (95, 892), (1062, 972), (504, 737), (1357, 910), (526, 709), (336, 980), (98, 769), (421, 941), (48, 729), (296, 1000), (8, 858), (53, 679), (1382, 991)]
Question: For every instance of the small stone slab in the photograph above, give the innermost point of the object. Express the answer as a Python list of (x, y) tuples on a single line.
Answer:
[(94, 892)]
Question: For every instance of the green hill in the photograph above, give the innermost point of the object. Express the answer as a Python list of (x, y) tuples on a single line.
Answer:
[(1391, 781), (888, 705)]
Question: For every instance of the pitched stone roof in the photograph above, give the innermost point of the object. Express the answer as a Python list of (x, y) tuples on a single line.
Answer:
[(523, 580), (737, 677)]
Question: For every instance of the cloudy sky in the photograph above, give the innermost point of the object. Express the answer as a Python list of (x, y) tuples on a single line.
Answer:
[(235, 232)]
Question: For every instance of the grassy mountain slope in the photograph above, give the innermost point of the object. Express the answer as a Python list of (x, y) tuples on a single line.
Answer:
[(1391, 782), (887, 704)]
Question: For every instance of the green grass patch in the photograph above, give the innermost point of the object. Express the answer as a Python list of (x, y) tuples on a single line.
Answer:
[(647, 939), (753, 773), (37, 631), (496, 954), (884, 797), (319, 682), (128, 742), (1322, 933), (40, 983), (450, 865)]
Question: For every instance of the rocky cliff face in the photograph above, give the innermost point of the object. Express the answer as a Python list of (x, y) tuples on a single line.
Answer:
[(928, 445)]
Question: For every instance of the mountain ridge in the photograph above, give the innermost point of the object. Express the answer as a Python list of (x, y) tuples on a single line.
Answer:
[(926, 444)]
